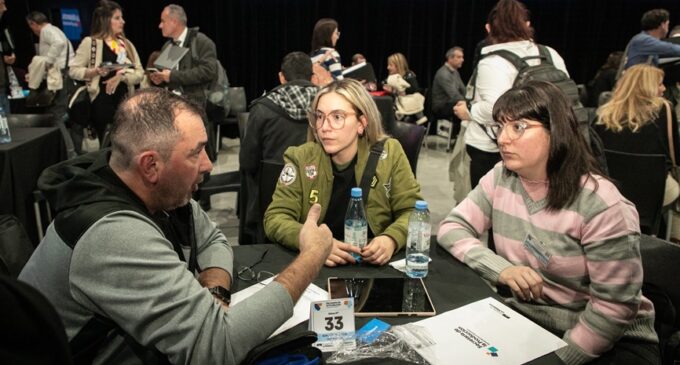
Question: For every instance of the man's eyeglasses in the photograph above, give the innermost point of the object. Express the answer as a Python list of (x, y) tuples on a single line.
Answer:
[(247, 273), (514, 129), (336, 119)]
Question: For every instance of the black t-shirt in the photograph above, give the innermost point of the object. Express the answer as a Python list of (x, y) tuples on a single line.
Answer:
[(343, 182)]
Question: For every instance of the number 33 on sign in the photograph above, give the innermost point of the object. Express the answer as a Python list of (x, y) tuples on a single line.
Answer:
[(333, 321)]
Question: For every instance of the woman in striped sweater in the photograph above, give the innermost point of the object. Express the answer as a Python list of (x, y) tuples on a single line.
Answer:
[(324, 38), (567, 241)]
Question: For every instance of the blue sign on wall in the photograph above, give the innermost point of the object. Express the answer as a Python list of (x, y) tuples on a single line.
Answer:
[(70, 22)]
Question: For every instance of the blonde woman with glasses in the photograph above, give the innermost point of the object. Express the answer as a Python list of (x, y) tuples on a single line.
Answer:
[(635, 120), (344, 123)]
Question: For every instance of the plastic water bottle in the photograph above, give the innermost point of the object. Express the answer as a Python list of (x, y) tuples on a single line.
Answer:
[(4, 128), (418, 245), (356, 226)]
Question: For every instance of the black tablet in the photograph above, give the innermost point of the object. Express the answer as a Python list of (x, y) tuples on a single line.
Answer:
[(384, 296)]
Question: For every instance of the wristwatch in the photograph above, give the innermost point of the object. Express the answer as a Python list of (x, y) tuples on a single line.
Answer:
[(221, 293)]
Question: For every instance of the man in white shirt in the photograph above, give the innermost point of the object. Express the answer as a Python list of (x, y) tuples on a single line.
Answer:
[(50, 63)]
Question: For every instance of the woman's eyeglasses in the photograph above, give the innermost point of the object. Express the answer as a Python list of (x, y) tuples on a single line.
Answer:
[(247, 273), (514, 129), (336, 119)]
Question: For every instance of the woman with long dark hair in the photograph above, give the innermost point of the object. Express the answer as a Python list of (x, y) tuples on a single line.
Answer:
[(567, 241), (508, 29), (324, 38), (106, 85)]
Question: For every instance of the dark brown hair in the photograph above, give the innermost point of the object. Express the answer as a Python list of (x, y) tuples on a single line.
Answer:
[(101, 18), (323, 32), (508, 22), (569, 154)]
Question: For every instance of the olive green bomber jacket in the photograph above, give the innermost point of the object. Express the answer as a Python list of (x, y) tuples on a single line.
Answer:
[(307, 178)]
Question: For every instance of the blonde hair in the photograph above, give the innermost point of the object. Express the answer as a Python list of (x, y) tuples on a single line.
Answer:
[(362, 103), (635, 101), (400, 61)]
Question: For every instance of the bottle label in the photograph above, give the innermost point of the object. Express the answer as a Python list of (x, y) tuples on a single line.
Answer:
[(356, 235)]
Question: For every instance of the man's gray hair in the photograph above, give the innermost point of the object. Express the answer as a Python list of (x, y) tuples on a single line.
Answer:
[(450, 52), (145, 121), (178, 13)]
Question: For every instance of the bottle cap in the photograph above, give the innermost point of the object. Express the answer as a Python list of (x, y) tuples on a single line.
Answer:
[(356, 193), (421, 204)]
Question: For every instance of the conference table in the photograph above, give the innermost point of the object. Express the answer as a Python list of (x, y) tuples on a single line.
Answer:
[(21, 163), (451, 284)]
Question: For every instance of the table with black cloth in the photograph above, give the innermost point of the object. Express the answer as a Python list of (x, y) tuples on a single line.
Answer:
[(21, 163), (451, 284)]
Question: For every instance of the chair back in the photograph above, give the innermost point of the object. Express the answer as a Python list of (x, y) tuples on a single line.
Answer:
[(659, 264), (237, 100), (269, 176), (641, 179), (242, 123), (385, 106), (15, 246), (411, 138)]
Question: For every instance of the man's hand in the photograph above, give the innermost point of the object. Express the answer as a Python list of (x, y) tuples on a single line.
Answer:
[(159, 77), (380, 250), (315, 246), (523, 281), (9, 60), (313, 236), (461, 110), (341, 254)]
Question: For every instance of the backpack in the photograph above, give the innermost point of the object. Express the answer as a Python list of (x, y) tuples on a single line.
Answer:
[(546, 71), (217, 93)]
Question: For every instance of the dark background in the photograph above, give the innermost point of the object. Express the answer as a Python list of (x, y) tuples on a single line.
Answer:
[(252, 36)]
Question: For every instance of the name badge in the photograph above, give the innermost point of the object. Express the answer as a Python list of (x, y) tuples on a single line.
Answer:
[(538, 249), (333, 321)]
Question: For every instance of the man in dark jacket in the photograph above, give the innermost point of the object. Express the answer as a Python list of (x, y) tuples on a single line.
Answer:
[(198, 67), (8, 59), (277, 121)]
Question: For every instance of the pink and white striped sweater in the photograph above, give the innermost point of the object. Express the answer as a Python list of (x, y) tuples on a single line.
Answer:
[(592, 280)]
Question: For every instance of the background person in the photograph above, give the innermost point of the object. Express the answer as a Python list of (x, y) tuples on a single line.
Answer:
[(344, 125), (508, 29), (548, 196), (635, 120), (324, 38), (106, 87)]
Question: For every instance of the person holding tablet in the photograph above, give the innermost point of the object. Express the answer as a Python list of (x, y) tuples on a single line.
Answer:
[(567, 241), (344, 126)]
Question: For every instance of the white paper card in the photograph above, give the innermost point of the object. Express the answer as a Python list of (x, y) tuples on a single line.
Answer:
[(333, 322), (485, 332), (301, 310)]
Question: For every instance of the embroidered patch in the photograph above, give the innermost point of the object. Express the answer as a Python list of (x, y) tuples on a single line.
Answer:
[(288, 174), (383, 155), (388, 187), (310, 172), (374, 182)]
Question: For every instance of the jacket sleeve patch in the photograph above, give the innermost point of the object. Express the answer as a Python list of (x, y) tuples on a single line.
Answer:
[(288, 174)]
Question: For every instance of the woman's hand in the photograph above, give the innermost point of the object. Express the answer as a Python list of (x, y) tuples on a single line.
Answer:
[(112, 83), (523, 281), (341, 254), (461, 110), (380, 250)]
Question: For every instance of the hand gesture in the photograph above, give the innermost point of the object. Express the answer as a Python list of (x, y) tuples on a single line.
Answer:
[(380, 250), (523, 281), (313, 236), (461, 110)]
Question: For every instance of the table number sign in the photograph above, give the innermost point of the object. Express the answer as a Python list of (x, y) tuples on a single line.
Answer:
[(333, 321)]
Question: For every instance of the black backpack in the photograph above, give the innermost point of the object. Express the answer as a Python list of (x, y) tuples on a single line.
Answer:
[(546, 71)]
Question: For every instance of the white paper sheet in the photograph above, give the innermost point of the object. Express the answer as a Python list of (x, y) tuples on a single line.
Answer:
[(301, 310), (485, 332)]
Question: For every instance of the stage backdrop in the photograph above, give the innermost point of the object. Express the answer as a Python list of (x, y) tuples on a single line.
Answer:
[(252, 36)]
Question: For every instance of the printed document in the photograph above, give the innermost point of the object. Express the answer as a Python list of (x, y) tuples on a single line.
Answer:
[(484, 332)]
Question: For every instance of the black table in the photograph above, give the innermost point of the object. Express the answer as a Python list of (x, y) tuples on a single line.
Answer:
[(21, 162), (451, 284)]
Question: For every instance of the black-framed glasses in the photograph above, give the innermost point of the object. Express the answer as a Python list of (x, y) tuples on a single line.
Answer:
[(336, 118), (514, 129), (247, 273)]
